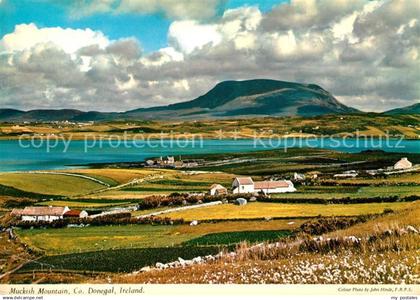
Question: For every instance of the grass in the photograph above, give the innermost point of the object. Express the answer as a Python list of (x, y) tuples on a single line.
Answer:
[(168, 181), (121, 260), (275, 210), (11, 254), (68, 240), (231, 238), (50, 184), (385, 259), (119, 176), (90, 203), (337, 192)]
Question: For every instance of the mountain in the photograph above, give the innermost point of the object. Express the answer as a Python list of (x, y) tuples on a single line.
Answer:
[(259, 97), (228, 99), (412, 109)]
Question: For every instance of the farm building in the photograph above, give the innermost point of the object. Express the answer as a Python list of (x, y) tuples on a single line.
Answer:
[(217, 189), (403, 163), (75, 213), (49, 214), (298, 176), (247, 185), (243, 185), (16, 212), (274, 187)]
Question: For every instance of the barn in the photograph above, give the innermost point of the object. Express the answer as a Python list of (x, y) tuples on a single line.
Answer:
[(402, 164)]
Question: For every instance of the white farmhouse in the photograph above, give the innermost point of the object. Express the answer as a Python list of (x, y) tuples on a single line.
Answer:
[(403, 163), (243, 185), (48, 214)]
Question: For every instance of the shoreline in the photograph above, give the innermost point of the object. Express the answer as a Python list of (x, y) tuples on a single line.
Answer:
[(165, 137)]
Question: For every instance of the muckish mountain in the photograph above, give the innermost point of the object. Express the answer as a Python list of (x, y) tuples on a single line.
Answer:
[(407, 110), (250, 98), (228, 99)]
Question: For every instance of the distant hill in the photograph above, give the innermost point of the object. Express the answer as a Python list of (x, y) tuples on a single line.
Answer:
[(412, 109), (259, 97), (43, 115), (228, 99)]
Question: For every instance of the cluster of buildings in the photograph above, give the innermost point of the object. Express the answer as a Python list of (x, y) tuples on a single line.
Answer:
[(170, 162), (47, 213), (246, 185), (400, 166)]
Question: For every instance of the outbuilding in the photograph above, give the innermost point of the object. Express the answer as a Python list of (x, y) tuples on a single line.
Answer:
[(75, 213), (217, 189), (402, 164)]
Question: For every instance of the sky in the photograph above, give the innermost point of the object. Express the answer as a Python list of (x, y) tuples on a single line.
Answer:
[(117, 55)]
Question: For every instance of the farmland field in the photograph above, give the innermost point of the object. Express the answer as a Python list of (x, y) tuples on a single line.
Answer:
[(120, 176), (50, 184), (121, 260), (68, 240), (86, 203), (333, 192), (273, 210), (226, 238)]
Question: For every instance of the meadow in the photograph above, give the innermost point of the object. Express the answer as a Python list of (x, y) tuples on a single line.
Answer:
[(283, 210), (93, 238), (121, 260), (337, 192), (385, 253), (50, 184)]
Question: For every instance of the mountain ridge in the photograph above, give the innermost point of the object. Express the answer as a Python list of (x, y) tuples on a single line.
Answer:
[(411, 109), (227, 99)]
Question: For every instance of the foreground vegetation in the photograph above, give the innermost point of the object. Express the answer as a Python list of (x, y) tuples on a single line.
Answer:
[(381, 251)]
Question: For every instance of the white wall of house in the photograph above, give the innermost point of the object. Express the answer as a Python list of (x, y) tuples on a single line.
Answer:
[(279, 190), (243, 189), (41, 218), (213, 191)]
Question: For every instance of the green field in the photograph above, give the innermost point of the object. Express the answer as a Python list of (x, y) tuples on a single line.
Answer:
[(69, 240), (228, 238), (338, 192), (87, 203), (280, 210), (49, 184), (66, 240), (121, 260)]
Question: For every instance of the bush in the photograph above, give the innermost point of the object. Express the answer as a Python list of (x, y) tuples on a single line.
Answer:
[(324, 225)]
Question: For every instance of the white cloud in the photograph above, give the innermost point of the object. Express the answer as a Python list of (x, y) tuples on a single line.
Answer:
[(365, 52), (26, 36), (188, 36), (130, 84)]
